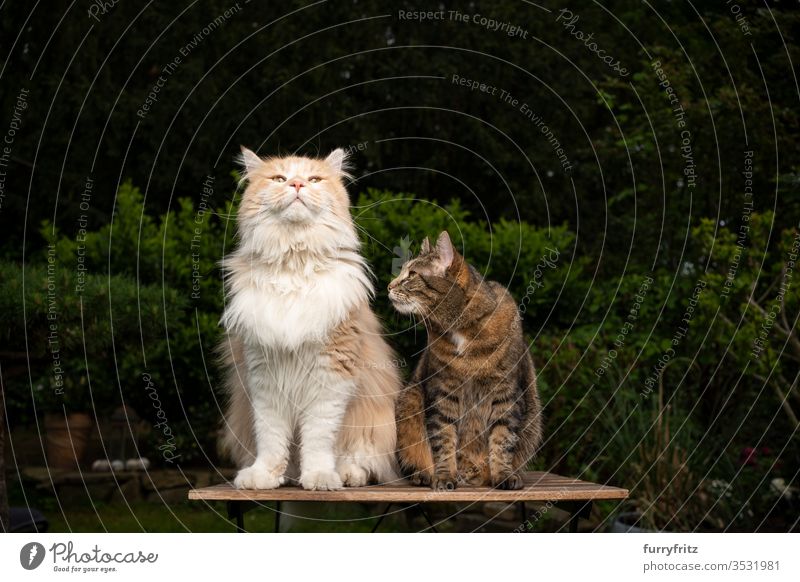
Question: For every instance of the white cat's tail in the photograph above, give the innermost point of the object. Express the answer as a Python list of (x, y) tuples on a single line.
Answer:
[(367, 440), (238, 440)]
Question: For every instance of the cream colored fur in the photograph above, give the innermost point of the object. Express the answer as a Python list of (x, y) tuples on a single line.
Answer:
[(310, 381)]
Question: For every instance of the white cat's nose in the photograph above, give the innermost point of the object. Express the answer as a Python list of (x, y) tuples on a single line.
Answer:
[(296, 183)]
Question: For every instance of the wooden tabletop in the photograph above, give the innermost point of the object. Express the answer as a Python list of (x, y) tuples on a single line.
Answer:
[(539, 486)]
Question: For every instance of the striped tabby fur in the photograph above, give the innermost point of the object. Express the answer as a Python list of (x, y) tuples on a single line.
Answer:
[(471, 413)]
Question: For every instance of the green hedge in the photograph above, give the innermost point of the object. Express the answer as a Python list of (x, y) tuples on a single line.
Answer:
[(628, 396)]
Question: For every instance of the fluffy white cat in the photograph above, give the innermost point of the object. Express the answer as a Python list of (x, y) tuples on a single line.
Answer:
[(310, 379)]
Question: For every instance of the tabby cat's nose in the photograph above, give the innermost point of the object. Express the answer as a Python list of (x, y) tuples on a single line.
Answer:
[(297, 184)]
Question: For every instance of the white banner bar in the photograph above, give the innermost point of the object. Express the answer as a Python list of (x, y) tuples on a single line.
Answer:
[(401, 557)]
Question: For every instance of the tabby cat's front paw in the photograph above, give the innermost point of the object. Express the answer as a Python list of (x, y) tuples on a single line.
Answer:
[(257, 477), (507, 481), (420, 479), (321, 480), (444, 482)]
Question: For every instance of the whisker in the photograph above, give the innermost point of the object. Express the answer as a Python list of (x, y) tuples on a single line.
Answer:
[(222, 215), (369, 236)]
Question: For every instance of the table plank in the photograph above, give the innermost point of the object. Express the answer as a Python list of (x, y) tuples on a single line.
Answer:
[(539, 486)]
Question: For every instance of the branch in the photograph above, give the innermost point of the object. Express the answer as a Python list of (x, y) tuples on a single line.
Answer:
[(793, 341), (776, 325), (770, 288), (792, 386), (22, 162), (787, 408)]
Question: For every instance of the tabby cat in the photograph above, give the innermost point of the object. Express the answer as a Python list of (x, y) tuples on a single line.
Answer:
[(471, 413)]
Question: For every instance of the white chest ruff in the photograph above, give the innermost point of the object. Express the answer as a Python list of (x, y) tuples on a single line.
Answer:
[(289, 310)]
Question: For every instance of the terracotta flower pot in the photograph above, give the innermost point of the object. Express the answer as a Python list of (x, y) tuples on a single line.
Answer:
[(67, 438)]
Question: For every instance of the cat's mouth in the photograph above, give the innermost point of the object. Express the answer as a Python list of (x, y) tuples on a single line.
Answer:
[(402, 303), (297, 208)]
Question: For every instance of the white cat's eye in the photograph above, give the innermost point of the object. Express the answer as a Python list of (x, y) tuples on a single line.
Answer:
[(315, 179), (279, 178)]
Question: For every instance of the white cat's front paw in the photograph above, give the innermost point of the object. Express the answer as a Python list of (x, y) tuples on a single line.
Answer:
[(321, 480), (257, 477), (353, 475)]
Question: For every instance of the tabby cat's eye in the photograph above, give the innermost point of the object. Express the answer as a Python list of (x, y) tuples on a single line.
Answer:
[(315, 179), (279, 178)]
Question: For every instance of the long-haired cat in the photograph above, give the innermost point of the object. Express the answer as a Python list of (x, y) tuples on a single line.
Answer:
[(308, 372), (471, 413)]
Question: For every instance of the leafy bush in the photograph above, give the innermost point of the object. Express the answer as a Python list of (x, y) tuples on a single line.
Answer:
[(534, 263), (603, 347), (72, 329)]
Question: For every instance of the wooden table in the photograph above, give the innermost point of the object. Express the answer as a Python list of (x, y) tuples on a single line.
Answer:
[(573, 495)]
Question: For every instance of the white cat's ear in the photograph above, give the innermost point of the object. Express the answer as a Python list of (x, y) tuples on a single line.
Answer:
[(445, 250), (249, 160), (426, 246), (337, 160)]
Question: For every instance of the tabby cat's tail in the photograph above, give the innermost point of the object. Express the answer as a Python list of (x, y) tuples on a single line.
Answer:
[(413, 449), (531, 430)]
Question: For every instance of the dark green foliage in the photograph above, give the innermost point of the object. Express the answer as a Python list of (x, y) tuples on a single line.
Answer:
[(533, 263), (267, 81), (77, 334)]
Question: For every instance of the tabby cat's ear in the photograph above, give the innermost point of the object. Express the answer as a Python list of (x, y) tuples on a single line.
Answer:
[(426, 246), (249, 160), (337, 160), (445, 250)]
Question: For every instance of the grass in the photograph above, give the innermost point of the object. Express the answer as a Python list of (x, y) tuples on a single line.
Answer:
[(212, 517), (80, 515), (149, 517), (200, 517)]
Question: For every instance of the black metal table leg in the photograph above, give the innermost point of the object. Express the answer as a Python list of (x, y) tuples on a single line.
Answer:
[(277, 528), (236, 513), (580, 509), (427, 517), (380, 519)]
